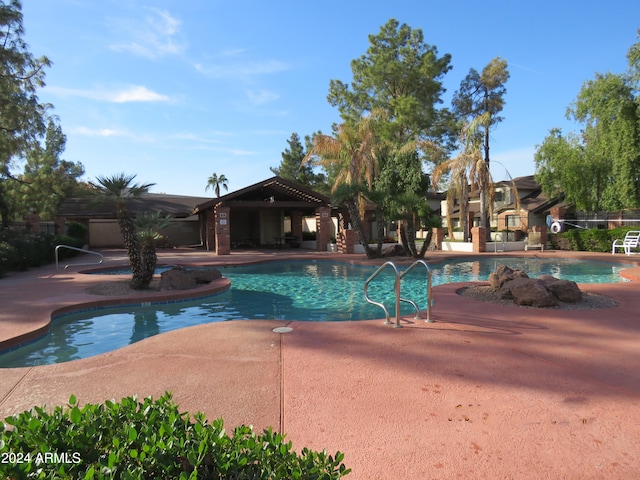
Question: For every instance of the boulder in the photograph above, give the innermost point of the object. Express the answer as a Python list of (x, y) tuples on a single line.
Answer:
[(505, 290), (180, 278), (504, 274), (564, 290), (533, 293)]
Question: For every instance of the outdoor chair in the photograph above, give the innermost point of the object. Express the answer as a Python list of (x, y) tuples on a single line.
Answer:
[(631, 240), (534, 240)]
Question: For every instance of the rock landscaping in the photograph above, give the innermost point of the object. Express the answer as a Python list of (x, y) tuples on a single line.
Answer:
[(515, 287)]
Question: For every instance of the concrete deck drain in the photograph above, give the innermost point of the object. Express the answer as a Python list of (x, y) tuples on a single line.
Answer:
[(282, 329)]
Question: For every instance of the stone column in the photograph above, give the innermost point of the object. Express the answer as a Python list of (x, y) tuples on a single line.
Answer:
[(296, 225), (323, 228), (32, 222), (209, 229), (479, 239), (223, 231)]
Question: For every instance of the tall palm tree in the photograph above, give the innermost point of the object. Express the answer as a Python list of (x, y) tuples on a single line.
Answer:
[(466, 169), (352, 153), (120, 188), (148, 225), (215, 181)]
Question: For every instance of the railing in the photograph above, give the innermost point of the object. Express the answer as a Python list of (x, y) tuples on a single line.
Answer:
[(78, 250), (396, 287), (495, 243)]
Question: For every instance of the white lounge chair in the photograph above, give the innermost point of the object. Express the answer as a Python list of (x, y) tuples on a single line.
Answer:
[(631, 240), (534, 240)]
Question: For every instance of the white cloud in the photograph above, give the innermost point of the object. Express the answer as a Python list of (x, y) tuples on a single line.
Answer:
[(260, 97), (154, 36), (133, 93), (242, 69), (93, 132)]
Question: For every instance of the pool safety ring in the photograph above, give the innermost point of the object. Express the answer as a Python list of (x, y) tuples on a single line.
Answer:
[(556, 227)]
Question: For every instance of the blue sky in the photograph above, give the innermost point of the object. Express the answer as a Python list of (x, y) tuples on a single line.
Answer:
[(173, 91)]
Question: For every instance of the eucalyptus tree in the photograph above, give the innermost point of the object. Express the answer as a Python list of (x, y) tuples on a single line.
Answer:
[(215, 181), (120, 188), (598, 168), (22, 116), (481, 96)]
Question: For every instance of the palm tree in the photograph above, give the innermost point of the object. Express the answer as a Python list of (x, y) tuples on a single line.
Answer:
[(352, 153), (120, 188), (466, 169), (148, 225), (215, 182)]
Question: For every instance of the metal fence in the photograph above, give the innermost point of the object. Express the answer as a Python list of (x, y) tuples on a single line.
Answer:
[(607, 220)]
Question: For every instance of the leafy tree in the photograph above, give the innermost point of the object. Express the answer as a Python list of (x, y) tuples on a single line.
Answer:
[(400, 75), (292, 167), (215, 182), (22, 116), (563, 168), (47, 179), (599, 169), (399, 81), (480, 99), (120, 188)]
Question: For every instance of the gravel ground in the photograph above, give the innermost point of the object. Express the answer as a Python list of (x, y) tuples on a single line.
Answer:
[(589, 300)]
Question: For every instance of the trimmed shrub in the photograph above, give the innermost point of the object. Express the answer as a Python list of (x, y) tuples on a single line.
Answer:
[(149, 439), (588, 240)]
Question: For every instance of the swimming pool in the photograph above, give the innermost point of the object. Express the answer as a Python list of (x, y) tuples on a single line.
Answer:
[(299, 290)]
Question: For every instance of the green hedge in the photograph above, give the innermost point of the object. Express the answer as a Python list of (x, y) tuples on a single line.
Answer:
[(148, 439), (588, 240), (20, 250)]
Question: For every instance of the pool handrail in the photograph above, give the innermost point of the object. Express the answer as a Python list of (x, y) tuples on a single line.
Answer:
[(78, 250), (396, 287), (429, 298)]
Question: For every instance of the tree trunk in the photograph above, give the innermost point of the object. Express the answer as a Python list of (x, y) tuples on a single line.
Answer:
[(352, 208), (132, 245), (425, 245), (149, 262)]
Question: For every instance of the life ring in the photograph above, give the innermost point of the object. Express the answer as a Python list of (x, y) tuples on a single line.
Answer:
[(556, 227)]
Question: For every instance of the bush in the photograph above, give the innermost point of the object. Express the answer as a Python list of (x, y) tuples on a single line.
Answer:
[(308, 236), (148, 439), (588, 240), (21, 250), (77, 230)]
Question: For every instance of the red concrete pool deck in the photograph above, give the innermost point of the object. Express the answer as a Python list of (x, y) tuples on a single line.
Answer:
[(485, 391)]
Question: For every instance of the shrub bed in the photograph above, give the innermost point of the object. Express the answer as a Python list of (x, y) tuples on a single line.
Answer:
[(588, 240), (20, 250), (148, 439)]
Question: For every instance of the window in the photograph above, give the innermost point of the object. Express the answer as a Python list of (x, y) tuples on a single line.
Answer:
[(513, 220)]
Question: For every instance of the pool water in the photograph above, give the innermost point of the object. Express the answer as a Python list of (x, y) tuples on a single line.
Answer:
[(299, 290)]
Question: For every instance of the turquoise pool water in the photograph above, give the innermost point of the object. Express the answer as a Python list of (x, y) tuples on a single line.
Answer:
[(293, 290)]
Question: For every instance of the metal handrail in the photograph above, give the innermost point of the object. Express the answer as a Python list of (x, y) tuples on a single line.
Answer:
[(429, 298), (78, 250), (495, 243), (396, 287)]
